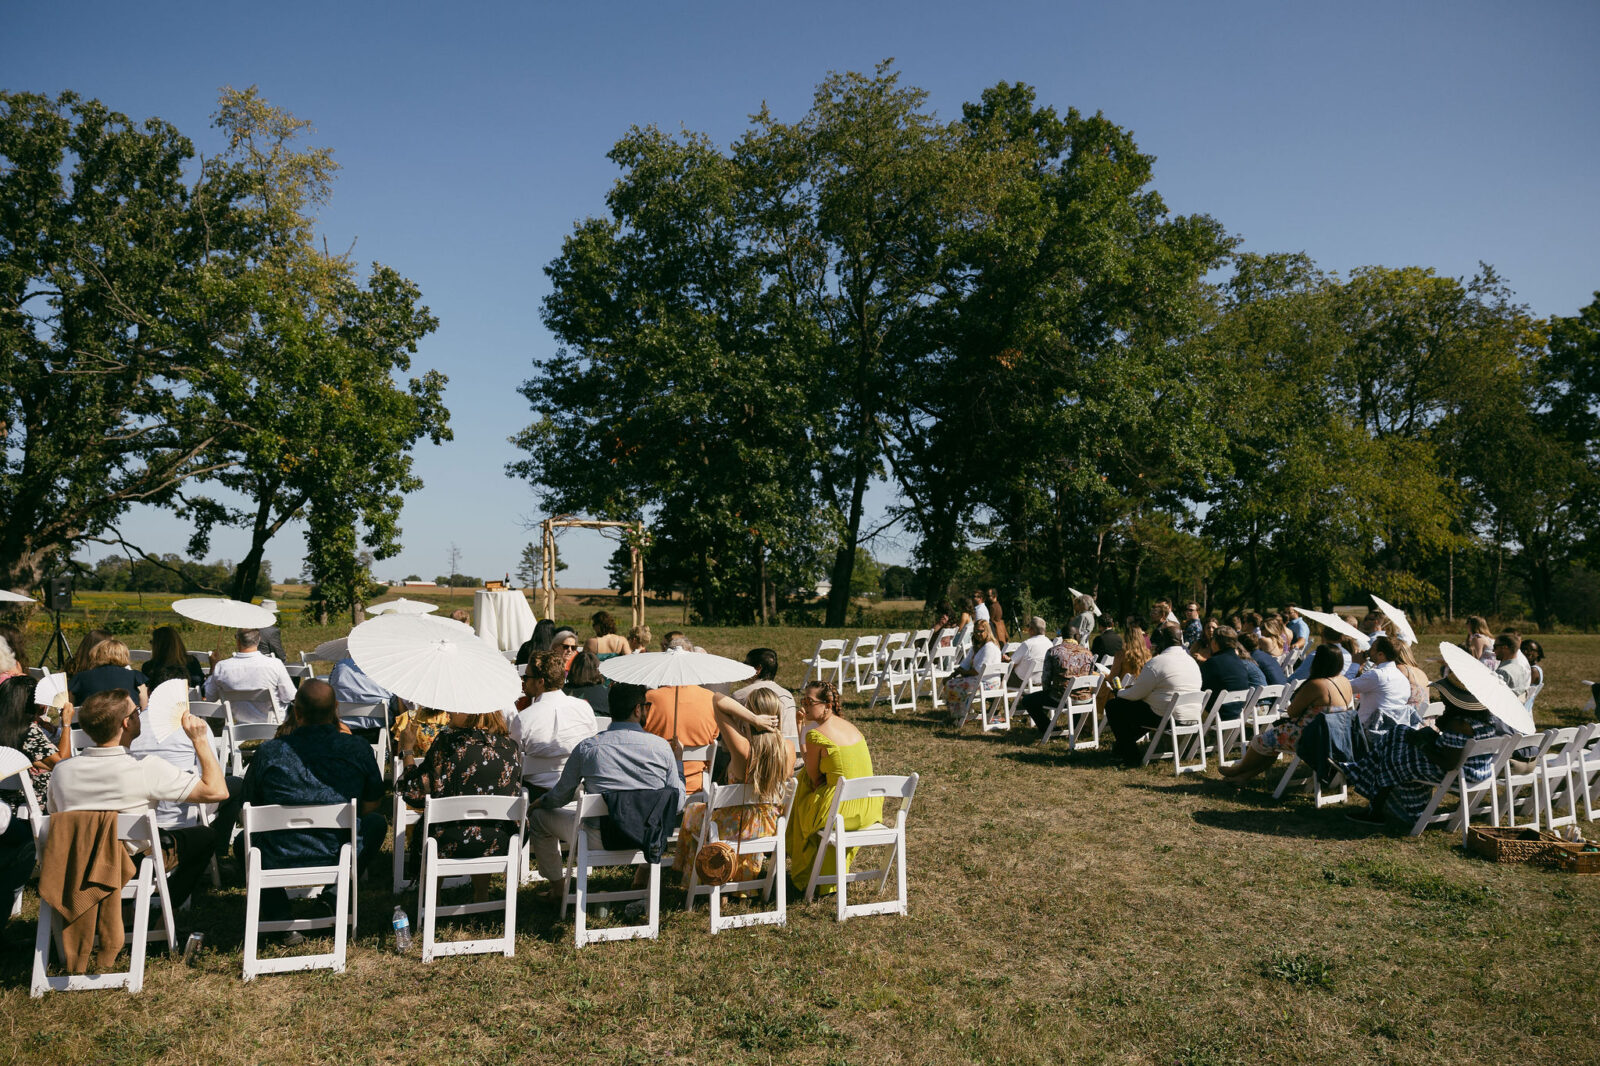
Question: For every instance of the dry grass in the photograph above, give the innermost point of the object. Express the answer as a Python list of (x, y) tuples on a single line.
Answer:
[(1061, 910)]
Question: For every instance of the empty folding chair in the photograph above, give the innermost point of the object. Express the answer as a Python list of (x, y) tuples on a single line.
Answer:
[(1181, 724), (1557, 771), (149, 882), (827, 662), (575, 894), (1520, 781), (341, 875), (1586, 775), (1077, 708), (897, 681), (862, 661), (438, 811), (940, 665), (842, 840), (773, 884)]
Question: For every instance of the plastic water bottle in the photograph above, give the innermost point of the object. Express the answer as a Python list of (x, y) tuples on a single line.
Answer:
[(402, 932)]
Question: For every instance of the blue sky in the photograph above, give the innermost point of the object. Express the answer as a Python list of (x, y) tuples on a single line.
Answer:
[(471, 137)]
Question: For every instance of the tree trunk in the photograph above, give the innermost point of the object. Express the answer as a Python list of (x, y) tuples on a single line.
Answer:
[(761, 582), (845, 562)]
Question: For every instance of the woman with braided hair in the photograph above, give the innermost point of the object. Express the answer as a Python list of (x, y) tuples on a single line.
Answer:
[(834, 748)]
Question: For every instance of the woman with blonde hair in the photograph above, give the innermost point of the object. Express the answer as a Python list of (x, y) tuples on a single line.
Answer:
[(1129, 662), (834, 749), (962, 684), (107, 668), (638, 639), (761, 759), (1480, 642)]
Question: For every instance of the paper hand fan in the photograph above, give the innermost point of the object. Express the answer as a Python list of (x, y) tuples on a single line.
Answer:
[(168, 704), (51, 691)]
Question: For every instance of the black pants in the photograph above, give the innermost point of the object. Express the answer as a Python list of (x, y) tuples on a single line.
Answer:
[(195, 847), (1128, 721), (228, 814), (1040, 707), (16, 860)]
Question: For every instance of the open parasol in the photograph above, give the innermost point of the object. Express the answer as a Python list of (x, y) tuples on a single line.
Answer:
[(1402, 628), (1485, 684), (7, 596), (403, 606), (221, 611), (1338, 625), (675, 668), (434, 662), (1093, 606), (331, 651)]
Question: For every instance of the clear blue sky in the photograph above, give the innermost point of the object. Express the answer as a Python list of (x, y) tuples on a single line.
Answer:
[(472, 136)]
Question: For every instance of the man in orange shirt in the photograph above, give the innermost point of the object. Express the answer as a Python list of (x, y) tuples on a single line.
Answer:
[(683, 713)]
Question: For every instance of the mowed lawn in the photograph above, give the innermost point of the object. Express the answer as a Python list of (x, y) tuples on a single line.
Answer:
[(1062, 909)]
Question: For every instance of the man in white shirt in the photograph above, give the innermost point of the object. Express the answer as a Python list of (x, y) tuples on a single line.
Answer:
[(1171, 670), (1513, 666), (106, 777), (1384, 692), (1030, 653), (980, 609), (765, 660), (248, 671), (553, 723)]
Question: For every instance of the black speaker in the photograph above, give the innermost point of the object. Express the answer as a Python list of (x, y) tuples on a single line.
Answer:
[(58, 594)]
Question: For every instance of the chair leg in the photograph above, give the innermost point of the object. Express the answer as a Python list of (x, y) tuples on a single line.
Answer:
[(252, 913)]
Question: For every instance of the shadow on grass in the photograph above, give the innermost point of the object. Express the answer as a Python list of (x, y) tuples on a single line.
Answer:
[(1280, 822), (1037, 756)]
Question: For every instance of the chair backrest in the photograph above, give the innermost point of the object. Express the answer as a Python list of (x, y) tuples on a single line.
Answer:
[(1533, 694), (38, 673), (250, 705), (602, 722), (704, 753), (209, 709), (829, 645), (276, 818), (726, 796), (879, 787), (377, 710), (138, 655), (23, 782), (136, 829), (440, 809), (865, 646), (1092, 682), (1187, 707)]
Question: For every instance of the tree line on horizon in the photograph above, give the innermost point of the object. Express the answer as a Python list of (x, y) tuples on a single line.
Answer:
[(1065, 384)]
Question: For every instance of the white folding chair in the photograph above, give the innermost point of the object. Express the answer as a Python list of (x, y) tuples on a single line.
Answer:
[(1182, 718), (827, 659), (23, 782), (1533, 694), (378, 710), (842, 840), (1586, 775), (1470, 795), (1263, 709), (1557, 771), (273, 818), (1335, 791), (989, 697), (437, 811), (772, 884), (898, 680), (242, 733), (1077, 708), (940, 665), (402, 818), (150, 881), (252, 706), (863, 655), (1226, 730), (575, 893), (919, 645), (1522, 785)]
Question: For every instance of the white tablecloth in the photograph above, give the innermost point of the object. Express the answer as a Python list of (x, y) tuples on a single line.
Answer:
[(503, 617)]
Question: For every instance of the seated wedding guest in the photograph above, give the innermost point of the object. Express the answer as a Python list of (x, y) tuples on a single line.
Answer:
[(943, 620), (606, 642), (1372, 623), (1134, 654), (86, 647), (1274, 638), (462, 615), (1351, 665), (624, 758), (1191, 623), (1268, 664), (1028, 659), (1227, 669), (1511, 665), (11, 636), (543, 630), (170, 660), (685, 715), (565, 641), (639, 639), (352, 685), (106, 777), (1398, 774), (962, 684), (108, 670), (20, 730), (1171, 671), (1108, 641), (1062, 663), (765, 661), (8, 661), (1326, 690), (1082, 625), (248, 670), (553, 724), (834, 749), (997, 617), (315, 764), (1299, 631), (475, 756), (1480, 642), (670, 636), (761, 759), (586, 683), (1533, 651), (415, 730), (1383, 690), (271, 639)]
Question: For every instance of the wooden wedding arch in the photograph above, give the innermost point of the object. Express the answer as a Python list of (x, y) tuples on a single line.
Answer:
[(548, 576)]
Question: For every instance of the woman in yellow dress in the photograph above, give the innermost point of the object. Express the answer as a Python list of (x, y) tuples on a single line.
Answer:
[(833, 749)]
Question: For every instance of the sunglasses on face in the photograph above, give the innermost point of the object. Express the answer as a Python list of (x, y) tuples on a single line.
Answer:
[(570, 647)]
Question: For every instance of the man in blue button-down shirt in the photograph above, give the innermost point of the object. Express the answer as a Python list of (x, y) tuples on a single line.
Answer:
[(623, 758)]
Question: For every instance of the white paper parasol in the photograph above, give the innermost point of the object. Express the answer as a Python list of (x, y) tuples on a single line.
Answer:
[(1402, 628), (1075, 592), (220, 611), (662, 669), (7, 596), (436, 663), (331, 651), (1338, 625), (167, 705), (1485, 684), (12, 762), (51, 691), (403, 606)]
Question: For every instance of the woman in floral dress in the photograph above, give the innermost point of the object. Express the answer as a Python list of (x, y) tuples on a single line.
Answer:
[(474, 756)]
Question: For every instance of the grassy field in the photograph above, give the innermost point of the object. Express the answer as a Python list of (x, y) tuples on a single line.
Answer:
[(1062, 909)]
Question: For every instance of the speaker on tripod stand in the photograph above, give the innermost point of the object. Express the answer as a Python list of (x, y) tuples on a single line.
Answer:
[(57, 598)]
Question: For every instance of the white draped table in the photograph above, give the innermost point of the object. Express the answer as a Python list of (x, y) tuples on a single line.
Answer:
[(503, 617)]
